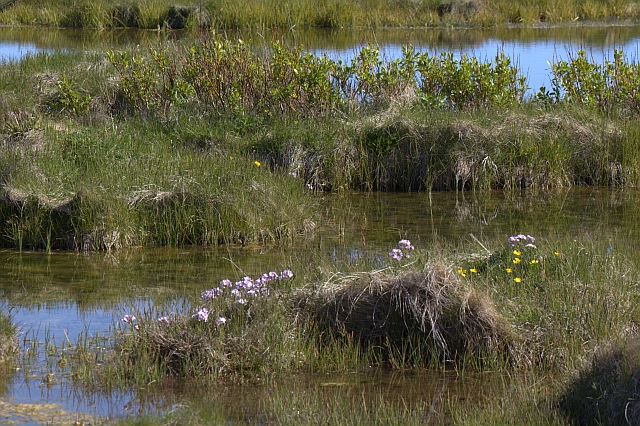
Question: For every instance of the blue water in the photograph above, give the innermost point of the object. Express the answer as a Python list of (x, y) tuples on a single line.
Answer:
[(533, 57)]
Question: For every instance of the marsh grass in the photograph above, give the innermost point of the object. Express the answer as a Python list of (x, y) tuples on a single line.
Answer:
[(555, 332), (209, 161), (304, 13), (8, 338), (606, 390)]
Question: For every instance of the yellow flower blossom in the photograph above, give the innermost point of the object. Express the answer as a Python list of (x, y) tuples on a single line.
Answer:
[(257, 163), (517, 279), (516, 260), (509, 270), (534, 262), (517, 252), (556, 253), (473, 270), (462, 272)]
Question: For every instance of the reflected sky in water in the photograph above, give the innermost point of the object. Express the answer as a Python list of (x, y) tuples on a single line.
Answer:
[(61, 295), (12, 51), (530, 48), (57, 297)]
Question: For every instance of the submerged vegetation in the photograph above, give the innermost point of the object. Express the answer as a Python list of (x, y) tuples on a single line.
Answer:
[(306, 13)]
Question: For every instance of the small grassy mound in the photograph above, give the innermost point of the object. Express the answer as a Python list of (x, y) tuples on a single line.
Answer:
[(8, 341), (238, 332), (607, 392), (413, 318)]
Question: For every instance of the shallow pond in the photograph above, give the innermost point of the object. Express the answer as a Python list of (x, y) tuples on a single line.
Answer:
[(60, 296), (530, 48)]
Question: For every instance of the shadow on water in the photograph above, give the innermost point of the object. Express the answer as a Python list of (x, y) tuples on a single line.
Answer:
[(57, 297)]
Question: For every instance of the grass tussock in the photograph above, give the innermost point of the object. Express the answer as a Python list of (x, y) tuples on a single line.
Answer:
[(431, 315), (607, 391)]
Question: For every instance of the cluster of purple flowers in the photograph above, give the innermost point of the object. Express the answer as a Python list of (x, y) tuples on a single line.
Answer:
[(129, 319), (247, 287), (202, 315), (521, 238), (241, 290), (398, 253)]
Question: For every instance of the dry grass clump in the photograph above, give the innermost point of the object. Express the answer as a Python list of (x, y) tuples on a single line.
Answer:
[(431, 313), (579, 129), (607, 392)]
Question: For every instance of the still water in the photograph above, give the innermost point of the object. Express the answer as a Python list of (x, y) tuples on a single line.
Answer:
[(530, 48), (59, 296)]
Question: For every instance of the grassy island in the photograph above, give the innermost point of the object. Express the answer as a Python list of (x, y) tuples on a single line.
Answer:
[(219, 141)]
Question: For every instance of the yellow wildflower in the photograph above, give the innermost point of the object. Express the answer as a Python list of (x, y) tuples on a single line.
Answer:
[(517, 252), (509, 270), (473, 270), (517, 279), (257, 163), (462, 272), (516, 260), (534, 262)]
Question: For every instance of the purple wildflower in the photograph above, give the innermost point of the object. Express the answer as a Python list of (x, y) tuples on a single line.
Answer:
[(202, 315), (221, 321), (226, 283), (396, 254), (163, 320), (211, 294), (515, 239), (286, 274), (405, 244), (129, 319)]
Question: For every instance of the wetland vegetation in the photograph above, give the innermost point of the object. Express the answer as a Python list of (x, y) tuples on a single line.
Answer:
[(557, 315), (260, 14), (218, 142)]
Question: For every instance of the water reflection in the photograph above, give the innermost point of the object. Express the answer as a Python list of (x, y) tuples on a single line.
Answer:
[(530, 48), (57, 297)]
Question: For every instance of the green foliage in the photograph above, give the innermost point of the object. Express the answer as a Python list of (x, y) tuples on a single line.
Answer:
[(286, 14), (68, 99), (230, 78), (469, 83), (608, 86)]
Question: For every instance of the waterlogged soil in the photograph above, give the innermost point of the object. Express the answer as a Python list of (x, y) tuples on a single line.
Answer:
[(57, 297)]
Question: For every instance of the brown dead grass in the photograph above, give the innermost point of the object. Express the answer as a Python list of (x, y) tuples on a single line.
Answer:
[(433, 309)]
